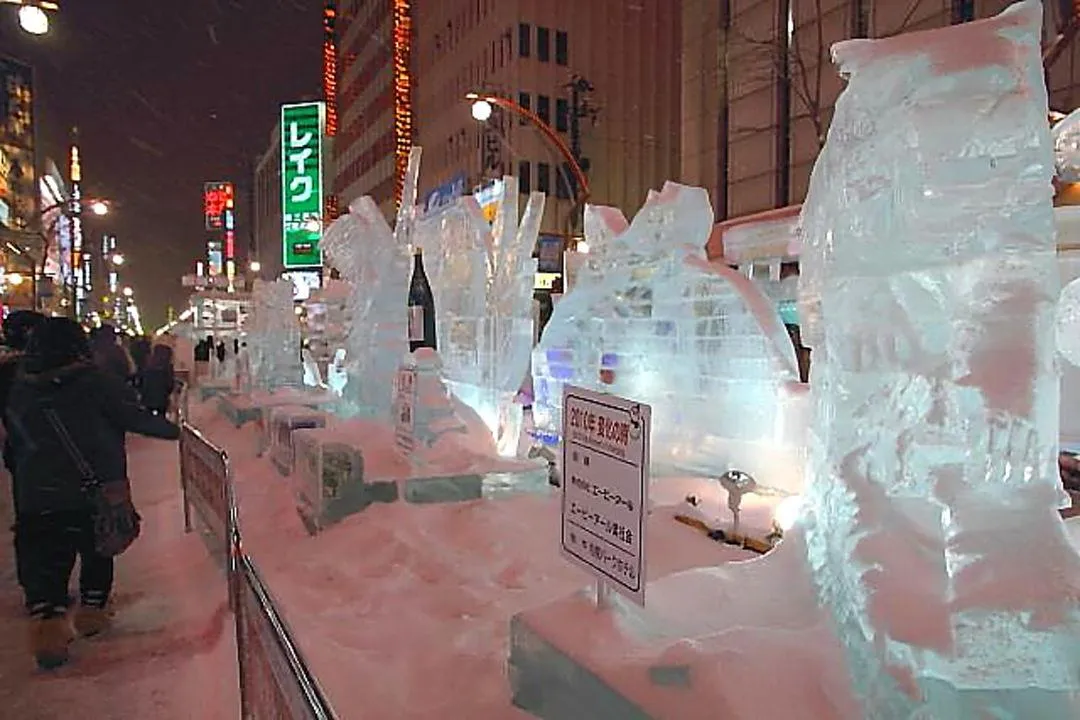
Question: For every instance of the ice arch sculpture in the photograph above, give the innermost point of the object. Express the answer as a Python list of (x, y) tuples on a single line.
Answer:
[(374, 260), (650, 319), (274, 336), (929, 289), (482, 277)]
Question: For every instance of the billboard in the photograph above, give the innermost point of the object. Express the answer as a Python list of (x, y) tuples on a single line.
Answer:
[(302, 127), (18, 185), (217, 196)]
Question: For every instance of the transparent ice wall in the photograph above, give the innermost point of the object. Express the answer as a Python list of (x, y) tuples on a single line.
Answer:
[(929, 282), (274, 337), (649, 319), (360, 245), (482, 277)]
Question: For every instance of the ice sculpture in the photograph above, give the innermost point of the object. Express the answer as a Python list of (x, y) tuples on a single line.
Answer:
[(482, 277), (376, 263), (1068, 323), (650, 319), (929, 288), (274, 336)]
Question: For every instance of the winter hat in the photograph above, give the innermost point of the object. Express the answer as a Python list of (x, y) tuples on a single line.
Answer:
[(57, 342), (18, 327)]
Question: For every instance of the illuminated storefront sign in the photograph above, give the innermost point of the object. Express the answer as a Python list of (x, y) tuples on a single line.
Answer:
[(217, 196), (302, 127), (18, 184)]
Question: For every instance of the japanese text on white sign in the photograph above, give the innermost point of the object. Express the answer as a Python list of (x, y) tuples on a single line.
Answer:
[(605, 487)]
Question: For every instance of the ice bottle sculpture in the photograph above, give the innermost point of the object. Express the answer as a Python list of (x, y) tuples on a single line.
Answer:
[(483, 280), (651, 320), (929, 283)]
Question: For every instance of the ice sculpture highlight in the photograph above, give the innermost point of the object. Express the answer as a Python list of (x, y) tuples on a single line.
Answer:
[(375, 262), (482, 277), (928, 296), (274, 336), (650, 319)]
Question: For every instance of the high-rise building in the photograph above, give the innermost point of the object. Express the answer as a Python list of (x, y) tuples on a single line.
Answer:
[(267, 209), (759, 86), (374, 103), (602, 73)]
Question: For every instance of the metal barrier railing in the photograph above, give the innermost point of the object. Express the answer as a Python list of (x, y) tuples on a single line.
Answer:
[(275, 681)]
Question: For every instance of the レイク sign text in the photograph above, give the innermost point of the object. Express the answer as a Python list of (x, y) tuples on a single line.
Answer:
[(302, 128), (605, 495)]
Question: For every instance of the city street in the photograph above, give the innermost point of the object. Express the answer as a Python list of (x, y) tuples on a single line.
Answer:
[(170, 654)]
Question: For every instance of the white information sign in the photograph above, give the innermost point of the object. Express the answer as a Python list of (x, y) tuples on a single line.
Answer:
[(404, 410), (605, 498)]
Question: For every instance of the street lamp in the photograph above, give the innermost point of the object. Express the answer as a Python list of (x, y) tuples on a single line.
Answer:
[(32, 17), (99, 207), (128, 292), (117, 259), (481, 110), (255, 266)]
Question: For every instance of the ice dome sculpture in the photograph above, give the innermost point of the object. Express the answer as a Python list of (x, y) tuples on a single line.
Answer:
[(651, 320), (1068, 322), (929, 289), (482, 277)]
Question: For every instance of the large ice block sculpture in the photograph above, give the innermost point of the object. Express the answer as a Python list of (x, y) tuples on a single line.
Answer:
[(361, 246), (929, 288), (650, 319), (482, 277), (274, 337)]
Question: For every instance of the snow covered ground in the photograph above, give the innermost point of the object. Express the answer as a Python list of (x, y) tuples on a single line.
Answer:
[(403, 611), (171, 654)]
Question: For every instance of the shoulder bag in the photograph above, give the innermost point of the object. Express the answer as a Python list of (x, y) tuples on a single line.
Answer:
[(116, 522)]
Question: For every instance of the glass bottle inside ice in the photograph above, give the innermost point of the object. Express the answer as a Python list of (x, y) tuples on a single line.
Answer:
[(421, 307)]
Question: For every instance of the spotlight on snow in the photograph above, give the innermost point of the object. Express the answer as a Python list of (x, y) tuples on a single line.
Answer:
[(787, 512), (33, 20)]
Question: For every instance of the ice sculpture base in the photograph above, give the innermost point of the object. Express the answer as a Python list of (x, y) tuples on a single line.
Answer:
[(213, 388), (743, 640), (531, 479), (242, 408)]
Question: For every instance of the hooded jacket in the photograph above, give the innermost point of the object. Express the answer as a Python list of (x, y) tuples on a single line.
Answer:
[(97, 409)]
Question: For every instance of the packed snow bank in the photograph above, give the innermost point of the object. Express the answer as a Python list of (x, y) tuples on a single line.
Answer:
[(403, 611), (171, 653)]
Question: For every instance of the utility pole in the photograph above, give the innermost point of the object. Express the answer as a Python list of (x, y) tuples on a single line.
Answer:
[(580, 108)]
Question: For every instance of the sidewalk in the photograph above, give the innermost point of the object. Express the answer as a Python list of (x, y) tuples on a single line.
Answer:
[(171, 653)]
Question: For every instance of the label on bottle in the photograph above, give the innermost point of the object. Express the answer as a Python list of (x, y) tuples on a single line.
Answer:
[(416, 323)]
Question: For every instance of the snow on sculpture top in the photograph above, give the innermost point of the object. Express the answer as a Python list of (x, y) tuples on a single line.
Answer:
[(929, 283), (482, 277), (360, 245), (274, 337), (651, 320)]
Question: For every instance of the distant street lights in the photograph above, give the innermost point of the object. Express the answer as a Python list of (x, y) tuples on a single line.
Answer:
[(99, 207), (117, 259), (128, 292), (255, 266)]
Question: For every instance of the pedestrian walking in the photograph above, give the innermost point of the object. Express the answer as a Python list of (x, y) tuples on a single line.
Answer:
[(67, 420)]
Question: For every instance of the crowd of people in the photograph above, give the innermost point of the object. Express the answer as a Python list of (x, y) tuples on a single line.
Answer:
[(69, 398)]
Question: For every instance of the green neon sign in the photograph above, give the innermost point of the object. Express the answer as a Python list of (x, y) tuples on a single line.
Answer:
[(302, 128)]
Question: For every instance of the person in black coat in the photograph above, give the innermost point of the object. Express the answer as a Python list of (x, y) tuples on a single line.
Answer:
[(58, 386), (157, 381)]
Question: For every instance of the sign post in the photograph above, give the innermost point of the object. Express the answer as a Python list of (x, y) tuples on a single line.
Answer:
[(605, 489), (302, 129)]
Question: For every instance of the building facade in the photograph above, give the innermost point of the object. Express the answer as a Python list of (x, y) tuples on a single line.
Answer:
[(267, 208), (602, 73), (364, 155), (758, 85)]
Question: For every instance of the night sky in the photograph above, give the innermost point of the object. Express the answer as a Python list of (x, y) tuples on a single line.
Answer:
[(166, 95)]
